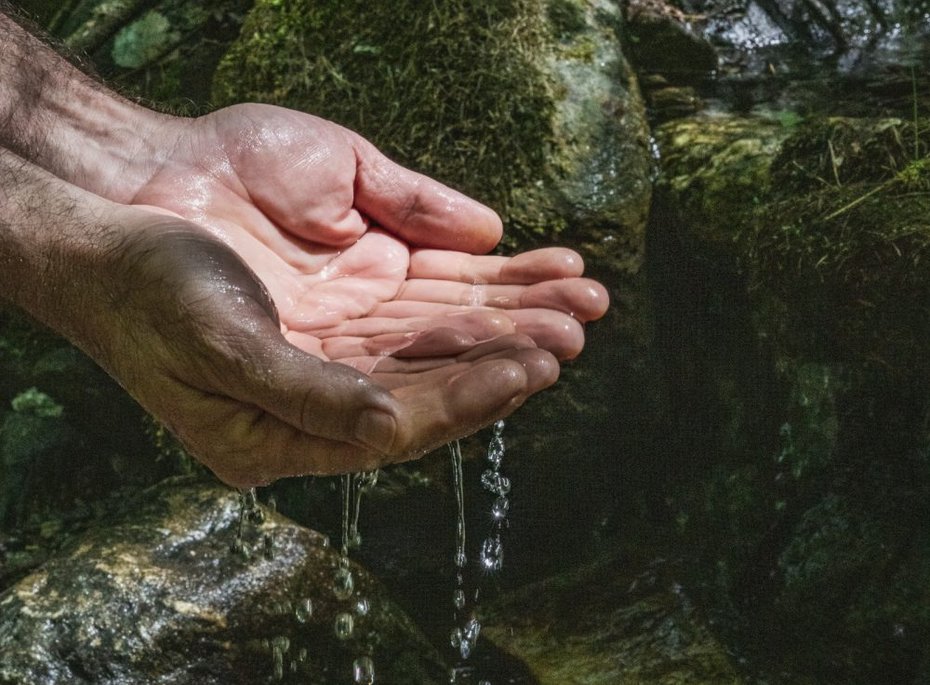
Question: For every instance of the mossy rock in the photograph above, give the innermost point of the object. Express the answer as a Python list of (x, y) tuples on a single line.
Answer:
[(797, 256), (826, 220), (528, 105)]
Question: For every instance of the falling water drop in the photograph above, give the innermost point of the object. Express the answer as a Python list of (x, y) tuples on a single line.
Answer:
[(362, 606), (455, 638), (469, 636), (495, 483), (496, 451), (492, 554), (343, 583), (455, 450), (344, 625), (363, 670), (279, 647), (277, 665), (458, 599), (499, 508), (304, 610)]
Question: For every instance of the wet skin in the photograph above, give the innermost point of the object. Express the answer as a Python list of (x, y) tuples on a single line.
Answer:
[(289, 301)]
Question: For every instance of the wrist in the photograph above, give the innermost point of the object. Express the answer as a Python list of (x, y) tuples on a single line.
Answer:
[(58, 118)]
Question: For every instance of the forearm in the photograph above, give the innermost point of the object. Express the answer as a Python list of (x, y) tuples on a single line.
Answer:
[(57, 117), (51, 238)]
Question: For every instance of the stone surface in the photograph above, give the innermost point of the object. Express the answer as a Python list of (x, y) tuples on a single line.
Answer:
[(664, 41), (156, 596), (606, 624)]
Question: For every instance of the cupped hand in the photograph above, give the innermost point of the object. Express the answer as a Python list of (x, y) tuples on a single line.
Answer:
[(328, 224), (191, 332), (284, 243)]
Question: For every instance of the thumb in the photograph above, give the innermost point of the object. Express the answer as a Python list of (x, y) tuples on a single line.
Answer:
[(420, 210)]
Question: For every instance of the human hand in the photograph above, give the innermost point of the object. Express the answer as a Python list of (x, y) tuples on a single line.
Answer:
[(296, 196), (190, 332)]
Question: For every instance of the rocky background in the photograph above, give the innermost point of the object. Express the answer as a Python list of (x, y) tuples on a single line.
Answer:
[(731, 485)]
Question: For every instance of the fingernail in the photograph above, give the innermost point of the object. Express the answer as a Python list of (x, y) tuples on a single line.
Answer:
[(376, 429)]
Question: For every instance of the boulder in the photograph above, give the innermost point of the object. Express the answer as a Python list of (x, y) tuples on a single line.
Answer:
[(155, 595), (610, 623)]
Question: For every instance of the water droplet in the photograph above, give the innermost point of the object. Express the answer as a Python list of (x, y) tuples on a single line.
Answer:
[(293, 666), (496, 451), (461, 559), (367, 480), (344, 625), (304, 610), (272, 504), (499, 427), (363, 670), (469, 637), (302, 655), (279, 645), (499, 508), (472, 629), (343, 584), (324, 542), (362, 607), (355, 539), (455, 638), (496, 483), (458, 598), (277, 663), (492, 554), (461, 674)]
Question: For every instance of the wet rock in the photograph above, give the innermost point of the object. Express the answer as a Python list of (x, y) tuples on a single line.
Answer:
[(155, 596), (607, 623), (663, 41), (528, 105), (672, 102)]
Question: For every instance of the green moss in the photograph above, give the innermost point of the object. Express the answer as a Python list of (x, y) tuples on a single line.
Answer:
[(450, 88), (566, 17)]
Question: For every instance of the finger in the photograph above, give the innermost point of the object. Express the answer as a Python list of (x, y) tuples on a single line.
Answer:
[(410, 366), (245, 446), (551, 330), (525, 268), (481, 324), (422, 211), (581, 298), (429, 343), (456, 405)]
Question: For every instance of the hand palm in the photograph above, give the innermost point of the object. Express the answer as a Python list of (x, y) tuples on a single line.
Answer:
[(301, 202)]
